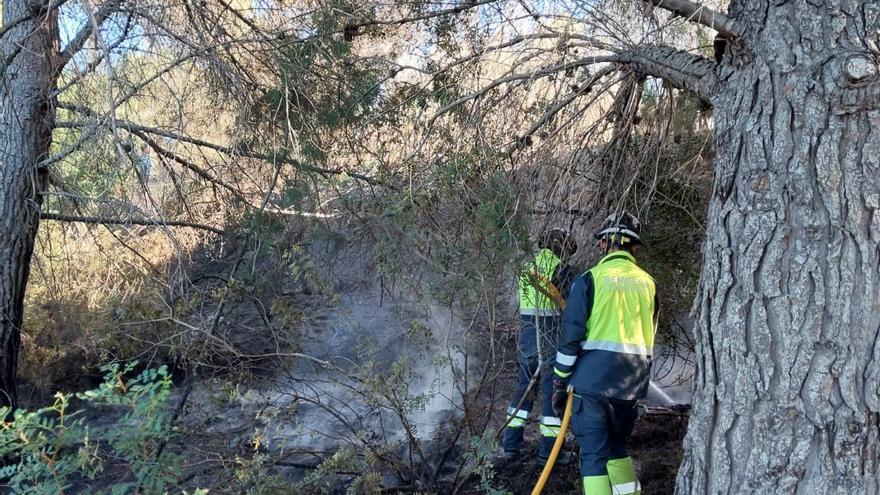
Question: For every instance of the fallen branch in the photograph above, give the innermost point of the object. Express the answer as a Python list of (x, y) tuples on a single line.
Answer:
[(680, 410)]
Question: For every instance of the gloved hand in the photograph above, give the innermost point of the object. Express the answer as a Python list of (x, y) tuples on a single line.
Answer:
[(560, 396)]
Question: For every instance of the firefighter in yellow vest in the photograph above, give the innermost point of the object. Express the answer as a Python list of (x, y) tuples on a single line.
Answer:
[(542, 284), (604, 353)]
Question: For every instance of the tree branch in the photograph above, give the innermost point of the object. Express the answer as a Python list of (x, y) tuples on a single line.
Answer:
[(226, 150), (700, 14), (215, 180), (354, 27), (551, 112), (40, 11), (79, 40), (80, 74), (681, 69), (536, 74), (189, 165), (127, 221)]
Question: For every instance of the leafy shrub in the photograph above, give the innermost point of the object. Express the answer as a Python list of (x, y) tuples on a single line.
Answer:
[(53, 449)]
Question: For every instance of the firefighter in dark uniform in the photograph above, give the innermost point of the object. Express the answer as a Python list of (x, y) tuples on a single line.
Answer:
[(604, 353)]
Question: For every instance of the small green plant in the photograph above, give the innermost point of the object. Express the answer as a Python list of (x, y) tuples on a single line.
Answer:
[(53, 449), (479, 463)]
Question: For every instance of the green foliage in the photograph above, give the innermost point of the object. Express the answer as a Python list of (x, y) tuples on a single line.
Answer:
[(264, 225), (675, 229), (293, 196), (55, 447), (445, 88), (478, 461), (300, 269), (468, 227), (98, 172), (323, 84), (318, 478)]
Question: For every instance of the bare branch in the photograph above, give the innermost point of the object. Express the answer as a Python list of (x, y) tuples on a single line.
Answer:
[(80, 74), (542, 72), (680, 69), (593, 43), (551, 112), (215, 180), (354, 27), (43, 11), (188, 164), (79, 40), (227, 150), (700, 14), (128, 221)]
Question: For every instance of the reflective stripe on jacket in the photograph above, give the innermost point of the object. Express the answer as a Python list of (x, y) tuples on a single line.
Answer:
[(608, 330)]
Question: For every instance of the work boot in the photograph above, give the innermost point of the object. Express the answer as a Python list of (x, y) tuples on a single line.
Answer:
[(502, 457), (564, 458)]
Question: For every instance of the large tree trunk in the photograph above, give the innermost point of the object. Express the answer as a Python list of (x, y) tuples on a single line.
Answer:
[(27, 119), (786, 395)]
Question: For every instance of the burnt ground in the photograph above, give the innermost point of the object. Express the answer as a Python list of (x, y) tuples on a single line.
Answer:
[(655, 445)]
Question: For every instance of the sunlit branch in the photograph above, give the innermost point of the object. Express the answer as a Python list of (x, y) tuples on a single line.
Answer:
[(537, 74), (127, 221), (227, 150), (700, 14), (551, 112)]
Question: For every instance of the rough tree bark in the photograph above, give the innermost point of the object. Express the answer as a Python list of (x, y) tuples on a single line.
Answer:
[(788, 312), (30, 58)]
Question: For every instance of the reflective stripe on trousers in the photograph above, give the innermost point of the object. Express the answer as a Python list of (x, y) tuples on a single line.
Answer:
[(602, 485), (565, 359), (550, 426), (632, 488), (516, 418), (623, 478)]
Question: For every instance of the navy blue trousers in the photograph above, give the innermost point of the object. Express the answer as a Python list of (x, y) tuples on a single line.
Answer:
[(527, 367), (602, 427)]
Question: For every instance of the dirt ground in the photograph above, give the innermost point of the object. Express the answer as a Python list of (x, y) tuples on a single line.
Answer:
[(655, 446)]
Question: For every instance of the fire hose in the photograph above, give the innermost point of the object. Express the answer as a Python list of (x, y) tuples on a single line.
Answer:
[(546, 287), (557, 446)]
